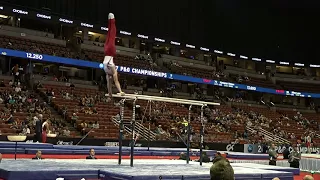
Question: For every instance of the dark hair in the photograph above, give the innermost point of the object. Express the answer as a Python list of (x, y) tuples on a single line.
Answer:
[(221, 169)]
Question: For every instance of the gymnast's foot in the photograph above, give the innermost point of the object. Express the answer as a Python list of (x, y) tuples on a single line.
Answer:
[(111, 16), (121, 93)]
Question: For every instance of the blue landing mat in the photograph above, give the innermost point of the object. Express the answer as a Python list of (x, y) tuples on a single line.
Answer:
[(48, 175), (26, 145), (295, 171), (186, 172), (45, 170), (31, 148), (234, 155), (108, 169), (11, 150)]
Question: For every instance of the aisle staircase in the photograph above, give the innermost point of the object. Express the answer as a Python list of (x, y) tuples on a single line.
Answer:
[(43, 98), (269, 136), (140, 129)]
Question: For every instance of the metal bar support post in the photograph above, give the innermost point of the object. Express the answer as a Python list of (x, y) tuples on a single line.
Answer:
[(121, 129), (149, 134), (189, 134), (133, 131), (201, 134), (15, 151)]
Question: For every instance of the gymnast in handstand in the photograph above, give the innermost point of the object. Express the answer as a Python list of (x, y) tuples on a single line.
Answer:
[(110, 53)]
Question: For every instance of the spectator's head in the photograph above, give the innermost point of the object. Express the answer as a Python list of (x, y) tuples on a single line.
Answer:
[(92, 153), (273, 146), (218, 154), (276, 178), (0, 157), (221, 170), (308, 177), (39, 154), (295, 147)]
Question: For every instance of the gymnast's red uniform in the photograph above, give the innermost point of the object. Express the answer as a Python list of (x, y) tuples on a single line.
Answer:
[(110, 44), (44, 132)]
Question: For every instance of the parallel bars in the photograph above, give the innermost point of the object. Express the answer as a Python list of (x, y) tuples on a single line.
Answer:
[(136, 97)]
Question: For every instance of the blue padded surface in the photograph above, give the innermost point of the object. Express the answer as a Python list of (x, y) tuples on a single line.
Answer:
[(211, 152), (50, 151), (26, 145), (280, 175), (104, 175), (111, 176), (84, 147), (247, 176), (248, 156), (29, 148), (11, 151), (142, 153), (47, 175), (158, 153), (108, 169)]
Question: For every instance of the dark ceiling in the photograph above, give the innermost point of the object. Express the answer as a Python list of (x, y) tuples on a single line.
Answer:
[(274, 29)]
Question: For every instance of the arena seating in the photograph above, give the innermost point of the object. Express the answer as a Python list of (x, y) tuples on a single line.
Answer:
[(18, 117), (300, 87), (22, 116), (260, 82), (34, 46), (107, 128), (254, 81), (105, 111), (288, 125), (190, 71)]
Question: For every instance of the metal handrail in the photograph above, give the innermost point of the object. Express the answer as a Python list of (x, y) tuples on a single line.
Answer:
[(139, 127), (270, 136)]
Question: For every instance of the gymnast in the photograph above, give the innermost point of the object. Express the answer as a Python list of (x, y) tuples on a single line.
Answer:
[(110, 53)]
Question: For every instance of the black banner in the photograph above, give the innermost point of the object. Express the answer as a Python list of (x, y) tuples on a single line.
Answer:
[(113, 142)]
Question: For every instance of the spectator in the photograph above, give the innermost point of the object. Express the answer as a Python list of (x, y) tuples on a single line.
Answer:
[(15, 72), (83, 127), (221, 170), (10, 83), (91, 154), (74, 118), (38, 156), (17, 89), (66, 132), (308, 177), (96, 125), (182, 156), (9, 120), (25, 130), (217, 155), (273, 155), (2, 84), (294, 157), (205, 157)]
